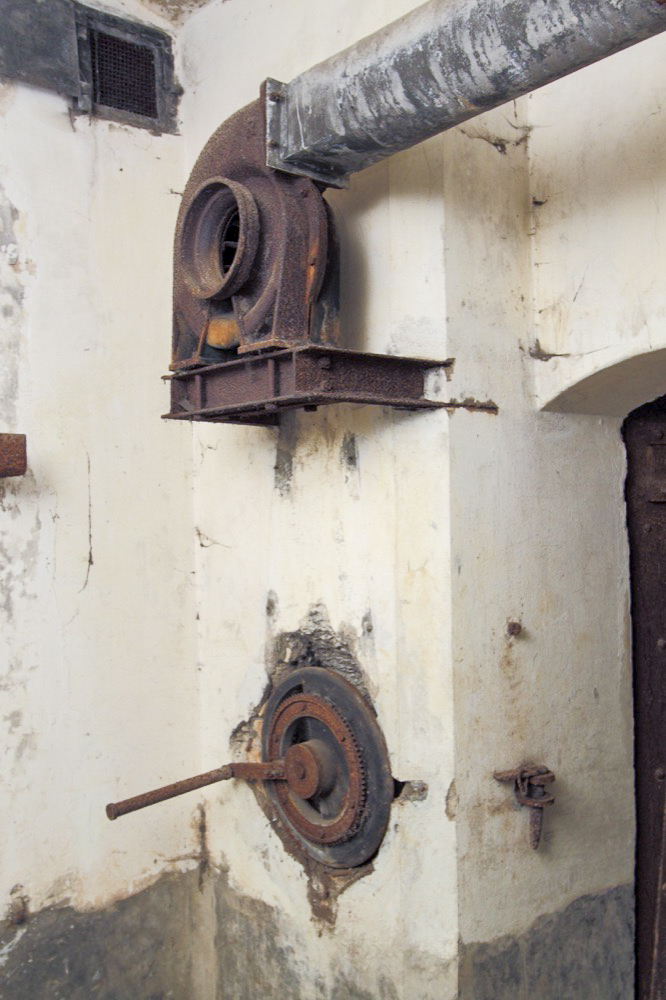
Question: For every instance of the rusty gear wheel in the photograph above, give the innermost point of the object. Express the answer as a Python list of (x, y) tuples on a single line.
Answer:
[(337, 797)]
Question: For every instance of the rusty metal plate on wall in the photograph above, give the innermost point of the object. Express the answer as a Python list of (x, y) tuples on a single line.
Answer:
[(13, 455)]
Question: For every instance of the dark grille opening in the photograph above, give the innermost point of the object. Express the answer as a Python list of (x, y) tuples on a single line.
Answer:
[(123, 74)]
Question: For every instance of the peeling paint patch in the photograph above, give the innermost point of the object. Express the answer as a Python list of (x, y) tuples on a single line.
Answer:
[(317, 643), (18, 909), (349, 451), (537, 352), (411, 791), (11, 307), (20, 528), (585, 952), (500, 143)]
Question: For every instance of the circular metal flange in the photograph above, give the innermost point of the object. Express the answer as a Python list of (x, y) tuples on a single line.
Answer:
[(219, 239), (337, 797)]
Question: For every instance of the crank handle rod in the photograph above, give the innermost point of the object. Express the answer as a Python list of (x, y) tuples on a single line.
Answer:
[(269, 771)]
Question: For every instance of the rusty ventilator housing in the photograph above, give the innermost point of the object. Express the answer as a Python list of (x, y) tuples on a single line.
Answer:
[(255, 262), (255, 317)]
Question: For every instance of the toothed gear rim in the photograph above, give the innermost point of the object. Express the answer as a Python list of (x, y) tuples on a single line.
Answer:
[(341, 826)]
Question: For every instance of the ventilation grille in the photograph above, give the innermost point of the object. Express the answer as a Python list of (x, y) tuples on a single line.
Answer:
[(123, 74), (125, 70)]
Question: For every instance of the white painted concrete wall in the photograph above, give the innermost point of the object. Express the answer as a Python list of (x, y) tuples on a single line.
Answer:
[(448, 527), (373, 540), (98, 684), (599, 244), (518, 516)]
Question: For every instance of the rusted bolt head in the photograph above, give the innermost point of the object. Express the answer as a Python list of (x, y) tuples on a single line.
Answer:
[(660, 774), (514, 628), (661, 644)]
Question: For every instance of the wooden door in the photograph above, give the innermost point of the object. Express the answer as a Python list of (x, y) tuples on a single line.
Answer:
[(645, 438)]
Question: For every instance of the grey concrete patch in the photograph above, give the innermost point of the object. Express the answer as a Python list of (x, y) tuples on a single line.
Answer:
[(585, 952), (253, 962), (141, 948), (190, 936), (344, 989)]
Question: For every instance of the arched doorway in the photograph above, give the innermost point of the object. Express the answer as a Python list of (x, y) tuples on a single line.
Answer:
[(644, 433)]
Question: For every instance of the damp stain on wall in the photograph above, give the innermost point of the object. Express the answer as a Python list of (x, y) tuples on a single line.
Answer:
[(187, 938), (143, 947), (183, 938), (584, 952)]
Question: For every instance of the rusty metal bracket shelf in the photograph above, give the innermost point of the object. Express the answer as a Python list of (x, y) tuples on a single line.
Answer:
[(256, 388), (13, 457)]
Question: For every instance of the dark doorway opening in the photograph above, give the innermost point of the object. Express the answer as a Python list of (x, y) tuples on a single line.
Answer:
[(644, 433)]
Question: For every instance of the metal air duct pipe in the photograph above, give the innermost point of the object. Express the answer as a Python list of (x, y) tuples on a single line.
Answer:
[(441, 64)]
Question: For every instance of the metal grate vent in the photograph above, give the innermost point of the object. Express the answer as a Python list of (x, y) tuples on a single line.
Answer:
[(126, 71), (124, 74)]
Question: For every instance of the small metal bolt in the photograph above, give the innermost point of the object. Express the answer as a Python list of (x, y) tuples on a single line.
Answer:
[(647, 528), (273, 144), (660, 774), (275, 97), (661, 644), (658, 434), (514, 628)]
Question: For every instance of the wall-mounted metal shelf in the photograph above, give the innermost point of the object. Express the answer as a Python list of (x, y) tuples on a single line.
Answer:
[(256, 388)]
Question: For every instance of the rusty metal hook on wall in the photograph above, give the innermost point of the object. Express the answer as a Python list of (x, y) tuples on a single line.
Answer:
[(528, 786)]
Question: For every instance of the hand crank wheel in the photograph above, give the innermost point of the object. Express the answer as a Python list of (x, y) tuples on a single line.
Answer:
[(337, 797)]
